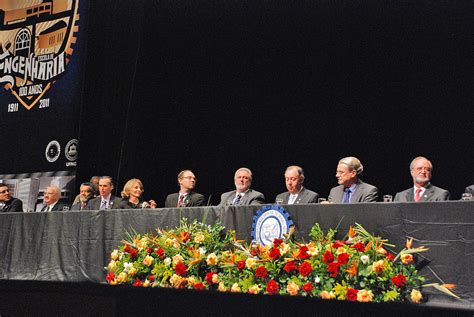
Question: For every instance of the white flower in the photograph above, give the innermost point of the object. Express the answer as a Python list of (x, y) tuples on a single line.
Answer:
[(364, 259), (202, 251), (167, 261), (317, 280), (127, 266), (177, 258)]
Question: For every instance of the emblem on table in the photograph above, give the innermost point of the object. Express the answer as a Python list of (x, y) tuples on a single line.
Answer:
[(53, 150), (270, 222), (36, 44)]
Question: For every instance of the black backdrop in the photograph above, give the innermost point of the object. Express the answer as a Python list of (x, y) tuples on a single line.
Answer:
[(217, 84)]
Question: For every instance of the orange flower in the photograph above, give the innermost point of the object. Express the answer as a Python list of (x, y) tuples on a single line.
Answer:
[(368, 246), (406, 258), (409, 243), (327, 295), (351, 232), (449, 286), (378, 266), (353, 269)]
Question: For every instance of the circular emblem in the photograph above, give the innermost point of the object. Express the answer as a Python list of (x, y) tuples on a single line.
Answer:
[(53, 150), (71, 150), (270, 223)]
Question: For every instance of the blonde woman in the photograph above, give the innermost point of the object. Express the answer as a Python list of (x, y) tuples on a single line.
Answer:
[(131, 196)]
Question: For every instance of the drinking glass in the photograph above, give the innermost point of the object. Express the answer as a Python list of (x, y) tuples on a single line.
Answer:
[(387, 198)]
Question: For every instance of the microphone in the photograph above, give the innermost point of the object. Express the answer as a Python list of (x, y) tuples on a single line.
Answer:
[(209, 200)]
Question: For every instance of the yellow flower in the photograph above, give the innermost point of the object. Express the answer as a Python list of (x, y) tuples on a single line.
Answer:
[(215, 278), (122, 277), (406, 258), (284, 248), (177, 258), (381, 251), (341, 250), (212, 259), (292, 288), (222, 287), (111, 265), (327, 295), (254, 289), (364, 296), (148, 260), (409, 243), (199, 238), (416, 296), (115, 254), (250, 263), (132, 271), (176, 280), (171, 242), (378, 266), (141, 244), (192, 280), (146, 283), (312, 250), (235, 288)]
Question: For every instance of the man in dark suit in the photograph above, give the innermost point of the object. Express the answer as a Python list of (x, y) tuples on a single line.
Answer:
[(51, 197), (351, 189), (296, 194), (105, 200), (86, 192), (243, 195), (7, 202), (186, 197), (422, 190)]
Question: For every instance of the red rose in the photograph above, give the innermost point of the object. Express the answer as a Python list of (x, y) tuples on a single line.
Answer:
[(359, 246), (110, 277), (343, 258), (161, 253), (149, 250), (274, 253), (272, 287), (400, 280), (208, 277), (241, 265), (351, 294), (261, 272), (277, 242), (308, 287), (390, 257), (303, 253), (180, 269), (151, 278), (333, 269), (305, 268), (338, 244), (127, 248), (290, 266), (328, 257), (199, 286), (133, 253), (137, 282)]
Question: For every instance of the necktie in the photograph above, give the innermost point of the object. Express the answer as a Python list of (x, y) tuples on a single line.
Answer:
[(237, 199), (347, 196), (181, 201), (83, 205), (103, 205), (45, 208), (417, 194)]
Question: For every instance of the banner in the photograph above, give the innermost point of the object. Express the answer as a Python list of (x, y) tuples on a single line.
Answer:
[(41, 44)]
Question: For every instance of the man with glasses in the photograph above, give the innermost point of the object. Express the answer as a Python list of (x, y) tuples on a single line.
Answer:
[(351, 189), (7, 202), (422, 190), (186, 197)]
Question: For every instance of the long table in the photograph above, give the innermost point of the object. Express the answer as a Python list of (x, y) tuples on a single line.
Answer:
[(75, 246)]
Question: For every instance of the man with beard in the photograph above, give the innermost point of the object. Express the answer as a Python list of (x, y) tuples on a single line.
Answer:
[(7, 202), (422, 190), (86, 192), (243, 195)]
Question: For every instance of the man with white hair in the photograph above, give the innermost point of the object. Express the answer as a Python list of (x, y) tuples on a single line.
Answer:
[(51, 197), (243, 195), (351, 189), (297, 193), (422, 190)]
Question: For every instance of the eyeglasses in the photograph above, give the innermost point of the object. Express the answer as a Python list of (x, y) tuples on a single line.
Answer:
[(189, 177)]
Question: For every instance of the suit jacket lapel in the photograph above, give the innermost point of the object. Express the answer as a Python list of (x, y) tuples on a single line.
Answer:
[(410, 195), (286, 198), (429, 192), (358, 192), (301, 195)]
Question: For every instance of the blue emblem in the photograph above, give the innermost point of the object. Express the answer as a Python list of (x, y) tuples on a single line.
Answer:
[(270, 222)]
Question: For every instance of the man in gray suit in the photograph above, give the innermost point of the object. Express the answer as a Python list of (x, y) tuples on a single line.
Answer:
[(351, 189), (186, 197), (243, 195), (105, 200), (296, 194), (422, 190)]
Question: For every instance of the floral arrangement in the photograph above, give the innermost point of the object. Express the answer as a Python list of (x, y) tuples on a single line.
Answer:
[(202, 257)]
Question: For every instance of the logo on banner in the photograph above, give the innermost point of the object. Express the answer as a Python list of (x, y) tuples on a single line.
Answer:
[(36, 39), (70, 151), (270, 223), (53, 150)]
